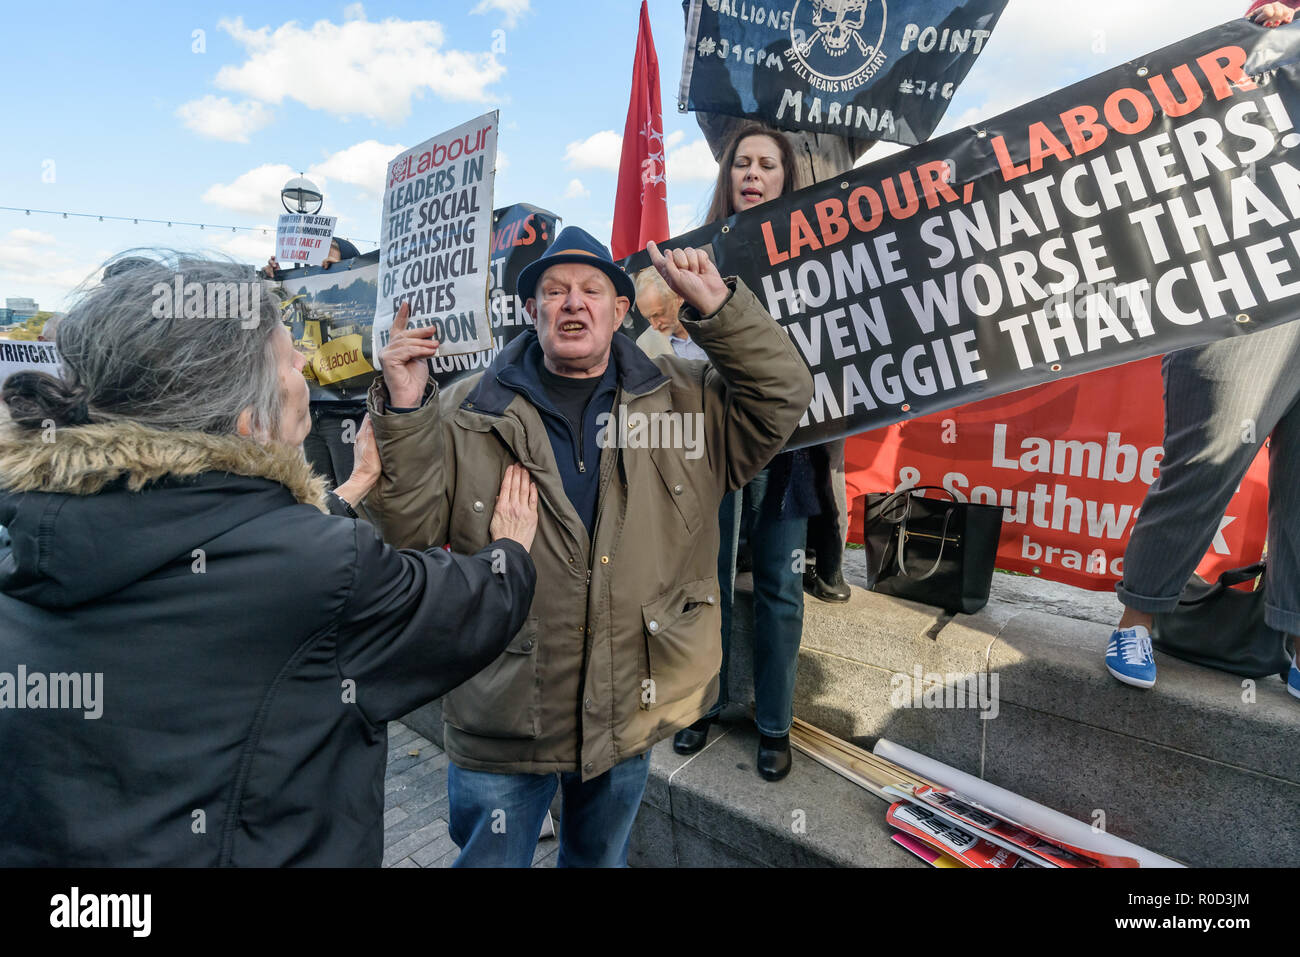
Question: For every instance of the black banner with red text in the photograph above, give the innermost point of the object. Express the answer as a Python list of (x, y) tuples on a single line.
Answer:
[(1148, 209)]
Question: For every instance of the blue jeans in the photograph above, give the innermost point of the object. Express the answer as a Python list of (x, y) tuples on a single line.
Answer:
[(776, 545), (495, 819)]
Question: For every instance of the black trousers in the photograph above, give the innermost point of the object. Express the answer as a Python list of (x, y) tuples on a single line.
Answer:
[(329, 444)]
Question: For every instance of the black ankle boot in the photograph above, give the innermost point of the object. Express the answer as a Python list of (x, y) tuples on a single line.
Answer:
[(692, 738), (834, 590), (773, 757)]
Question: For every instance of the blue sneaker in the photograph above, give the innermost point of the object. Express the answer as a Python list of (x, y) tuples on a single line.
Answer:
[(1129, 658), (1293, 678)]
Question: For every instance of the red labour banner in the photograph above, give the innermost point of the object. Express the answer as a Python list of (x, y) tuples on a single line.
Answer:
[(1070, 461)]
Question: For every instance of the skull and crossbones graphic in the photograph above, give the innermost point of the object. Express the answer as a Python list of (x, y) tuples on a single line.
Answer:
[(837, 22)]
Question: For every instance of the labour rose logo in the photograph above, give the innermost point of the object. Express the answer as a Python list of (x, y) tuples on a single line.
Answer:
[(836, 40), (652, 167)]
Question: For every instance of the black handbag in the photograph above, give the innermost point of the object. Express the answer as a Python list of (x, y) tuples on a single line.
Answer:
[(1221, 627), (934, 551)]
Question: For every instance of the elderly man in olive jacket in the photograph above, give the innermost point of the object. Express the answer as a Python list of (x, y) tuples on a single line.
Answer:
[(631, 457)]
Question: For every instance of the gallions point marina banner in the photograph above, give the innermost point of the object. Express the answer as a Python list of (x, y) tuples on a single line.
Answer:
[(331, 313), (870, 69), (1145, 210)]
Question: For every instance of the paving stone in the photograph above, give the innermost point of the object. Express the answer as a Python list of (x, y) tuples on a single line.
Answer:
[(399, 734), (427, 720), (550, 859), (544, 849), (404, 862), (435, 850), (448, 859), (392, 816), (409, 845), (430, 765), (412, 822)]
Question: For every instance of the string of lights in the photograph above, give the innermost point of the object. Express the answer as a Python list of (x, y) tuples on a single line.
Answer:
[(137, 220)]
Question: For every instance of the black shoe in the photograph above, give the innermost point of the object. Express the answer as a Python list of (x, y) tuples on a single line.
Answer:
[(773, 757), (836, 591), (691, 739)]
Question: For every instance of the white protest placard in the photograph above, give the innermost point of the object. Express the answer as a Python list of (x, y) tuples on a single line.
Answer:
[(303, 239), (18, 356), (436, 235)]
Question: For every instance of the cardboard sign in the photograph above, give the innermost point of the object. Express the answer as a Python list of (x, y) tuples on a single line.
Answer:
[(303, 239), (436, 233)]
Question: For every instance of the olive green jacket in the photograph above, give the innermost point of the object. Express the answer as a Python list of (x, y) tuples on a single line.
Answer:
[(622, 644)]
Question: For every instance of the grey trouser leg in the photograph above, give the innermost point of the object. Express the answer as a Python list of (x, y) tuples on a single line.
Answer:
[(1222, 401), (836, 450), (828, 531)]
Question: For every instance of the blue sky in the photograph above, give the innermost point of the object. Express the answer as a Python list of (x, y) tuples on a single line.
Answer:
[(200, 112)]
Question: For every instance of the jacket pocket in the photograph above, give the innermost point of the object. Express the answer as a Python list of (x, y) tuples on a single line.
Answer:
[(681, 491), (504, 700), (683, 641)]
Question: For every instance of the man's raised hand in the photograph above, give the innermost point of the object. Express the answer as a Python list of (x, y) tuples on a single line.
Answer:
[(692, 276), (405, 360)]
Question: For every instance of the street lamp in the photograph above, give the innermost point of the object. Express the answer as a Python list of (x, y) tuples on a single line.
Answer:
[(301, 195)]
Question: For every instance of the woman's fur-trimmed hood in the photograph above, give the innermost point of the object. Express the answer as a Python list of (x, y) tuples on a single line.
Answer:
[(81, 460), (92, 509)]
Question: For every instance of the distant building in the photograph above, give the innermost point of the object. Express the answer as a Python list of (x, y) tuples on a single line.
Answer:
[(21, 309), (6, 317)]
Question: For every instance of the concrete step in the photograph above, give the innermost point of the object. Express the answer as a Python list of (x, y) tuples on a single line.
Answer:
[(711, 809), (1204, 768)]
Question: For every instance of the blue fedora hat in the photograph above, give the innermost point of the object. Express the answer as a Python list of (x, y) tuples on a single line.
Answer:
[(574, 245)]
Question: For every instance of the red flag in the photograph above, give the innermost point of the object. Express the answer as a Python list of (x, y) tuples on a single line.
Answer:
[(641, 204)]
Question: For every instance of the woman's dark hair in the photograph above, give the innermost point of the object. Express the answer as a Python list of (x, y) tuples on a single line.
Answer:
[(35, 398), (722, 206)]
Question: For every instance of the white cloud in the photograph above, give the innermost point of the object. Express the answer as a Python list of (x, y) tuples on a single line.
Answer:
[(503, 161), (357, 68), (682, 218), (33, 264), (576, 190), (220, 119), (1030, 55), (511, 10), (30, 237), (673, 138), (362, 164), (599, 151), (254, 248), (256, 192), (694, 161)]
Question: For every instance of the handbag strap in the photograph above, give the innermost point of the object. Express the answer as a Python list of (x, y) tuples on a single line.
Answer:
[(1231, 577), (1237, 576), (905, 493), (902, 546)]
